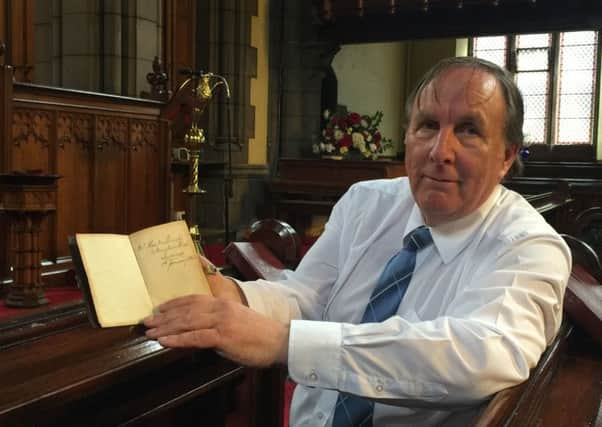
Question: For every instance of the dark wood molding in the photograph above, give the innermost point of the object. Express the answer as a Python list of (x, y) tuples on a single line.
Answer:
[(87, 376), (563, 169), (446, 19)]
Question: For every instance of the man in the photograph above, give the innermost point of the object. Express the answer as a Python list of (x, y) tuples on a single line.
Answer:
[(482, 303)]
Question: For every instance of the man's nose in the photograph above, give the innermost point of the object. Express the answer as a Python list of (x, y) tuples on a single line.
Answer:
[(444, 146)]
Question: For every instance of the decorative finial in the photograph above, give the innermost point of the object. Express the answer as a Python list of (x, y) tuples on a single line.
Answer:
[(157, 79)]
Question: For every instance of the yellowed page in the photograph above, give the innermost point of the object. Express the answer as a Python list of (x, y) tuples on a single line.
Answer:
[(116, 283), (169, 262)]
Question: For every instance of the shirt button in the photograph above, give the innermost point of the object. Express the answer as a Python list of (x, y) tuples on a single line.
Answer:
[(556, 307), (313, 376), (320, 415), (379, 388)]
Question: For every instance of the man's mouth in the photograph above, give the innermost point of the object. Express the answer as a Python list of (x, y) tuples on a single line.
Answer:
[(440, 179)]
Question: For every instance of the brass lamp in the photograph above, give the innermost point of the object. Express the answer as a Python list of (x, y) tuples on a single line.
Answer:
[(202, 86)]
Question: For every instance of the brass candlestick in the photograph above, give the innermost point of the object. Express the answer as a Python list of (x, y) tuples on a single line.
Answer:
[(203, 86)]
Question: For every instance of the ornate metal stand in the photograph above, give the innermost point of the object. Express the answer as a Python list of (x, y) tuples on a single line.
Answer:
[(202, 86), (26, 199)]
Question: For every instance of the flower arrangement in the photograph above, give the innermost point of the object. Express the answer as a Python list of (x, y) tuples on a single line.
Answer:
[(346, 132)]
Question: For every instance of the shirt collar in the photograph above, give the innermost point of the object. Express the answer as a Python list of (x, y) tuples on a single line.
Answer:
[(450, 238)]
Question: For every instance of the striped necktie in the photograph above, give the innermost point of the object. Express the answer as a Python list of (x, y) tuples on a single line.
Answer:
[(354, 411)]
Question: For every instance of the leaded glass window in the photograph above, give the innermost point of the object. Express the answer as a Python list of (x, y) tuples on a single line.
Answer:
[(557, 75)]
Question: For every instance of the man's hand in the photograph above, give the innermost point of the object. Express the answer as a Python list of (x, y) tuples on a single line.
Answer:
[(236, 331), (221, 286)]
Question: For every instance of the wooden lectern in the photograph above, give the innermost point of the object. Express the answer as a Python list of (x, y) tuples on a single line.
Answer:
[(26, 198)]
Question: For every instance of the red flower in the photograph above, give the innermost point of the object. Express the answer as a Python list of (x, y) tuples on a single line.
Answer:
[(354, 119), (346, 141), (343, 126), (377, 137)]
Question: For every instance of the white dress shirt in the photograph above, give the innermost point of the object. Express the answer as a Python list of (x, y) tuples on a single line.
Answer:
[(483, 303)]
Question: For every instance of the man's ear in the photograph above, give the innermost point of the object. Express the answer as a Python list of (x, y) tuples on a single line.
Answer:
[(510, 154)]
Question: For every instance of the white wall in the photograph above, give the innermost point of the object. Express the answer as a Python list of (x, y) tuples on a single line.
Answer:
[(370, 78), (380, 76)]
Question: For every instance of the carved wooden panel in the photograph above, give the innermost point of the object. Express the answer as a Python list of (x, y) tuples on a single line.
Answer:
[(74, 165), (110, 174), (30, 140), (110, 152), (31, 151), (146, 184)]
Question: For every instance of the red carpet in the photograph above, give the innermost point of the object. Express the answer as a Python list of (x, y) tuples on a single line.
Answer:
[(56, 297)]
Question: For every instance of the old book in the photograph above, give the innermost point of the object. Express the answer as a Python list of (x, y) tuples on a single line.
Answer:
[(124, 277)]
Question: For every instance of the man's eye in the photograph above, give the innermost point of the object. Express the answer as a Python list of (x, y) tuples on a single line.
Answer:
[(468, 129), (427, 125)]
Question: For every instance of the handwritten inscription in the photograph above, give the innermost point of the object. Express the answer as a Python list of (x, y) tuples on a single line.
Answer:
[(171, 250)]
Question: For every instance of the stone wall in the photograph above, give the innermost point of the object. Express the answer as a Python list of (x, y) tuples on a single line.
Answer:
[(99, 46)]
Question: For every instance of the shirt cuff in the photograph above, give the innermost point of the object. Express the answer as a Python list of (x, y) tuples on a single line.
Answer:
[(253, 296), (314, 352)]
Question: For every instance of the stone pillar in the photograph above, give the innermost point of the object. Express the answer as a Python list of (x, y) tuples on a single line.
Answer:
[(302, 61)]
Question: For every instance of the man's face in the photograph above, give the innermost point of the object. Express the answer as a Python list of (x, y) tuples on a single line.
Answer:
[(455, 151)]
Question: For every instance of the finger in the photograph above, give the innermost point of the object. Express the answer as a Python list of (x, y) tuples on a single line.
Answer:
[(180, 302), (208, 267), (205, 261), (172, 323), (206, 338)]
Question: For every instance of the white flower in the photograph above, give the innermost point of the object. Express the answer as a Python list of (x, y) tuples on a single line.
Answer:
[(358, 140), (364, 123), (338, 134), (329, 148), (373, 147), (368, 137), (326, 114)]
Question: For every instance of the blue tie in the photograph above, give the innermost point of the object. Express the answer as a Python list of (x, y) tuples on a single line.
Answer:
[(353, 411)]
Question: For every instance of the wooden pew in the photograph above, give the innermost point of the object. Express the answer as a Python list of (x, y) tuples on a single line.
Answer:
[(565, 389)]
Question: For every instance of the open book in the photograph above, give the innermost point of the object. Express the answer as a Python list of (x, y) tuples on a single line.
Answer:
[(124, 277)]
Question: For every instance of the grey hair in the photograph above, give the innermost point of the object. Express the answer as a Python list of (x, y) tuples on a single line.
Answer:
[(513, 128)]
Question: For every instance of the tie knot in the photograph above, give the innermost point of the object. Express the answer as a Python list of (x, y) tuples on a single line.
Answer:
[(418, 238)]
